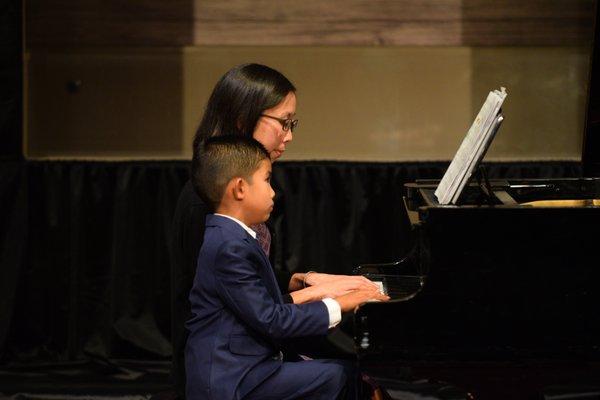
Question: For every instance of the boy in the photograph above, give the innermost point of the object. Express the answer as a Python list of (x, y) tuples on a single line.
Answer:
[(239, 319)]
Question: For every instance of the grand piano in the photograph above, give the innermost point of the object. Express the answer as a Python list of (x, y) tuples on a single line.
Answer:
[(500, 296)]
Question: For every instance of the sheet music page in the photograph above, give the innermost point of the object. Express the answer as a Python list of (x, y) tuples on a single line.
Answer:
[(474, 144), (478, 155)]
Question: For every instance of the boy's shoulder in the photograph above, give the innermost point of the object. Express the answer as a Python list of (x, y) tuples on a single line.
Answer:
[(223, 235), (225, 227), (224, 248)]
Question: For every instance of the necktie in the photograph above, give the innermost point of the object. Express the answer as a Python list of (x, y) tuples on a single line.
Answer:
[(263, 236)]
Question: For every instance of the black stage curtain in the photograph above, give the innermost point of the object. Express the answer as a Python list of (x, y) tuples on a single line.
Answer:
[(85, 271)]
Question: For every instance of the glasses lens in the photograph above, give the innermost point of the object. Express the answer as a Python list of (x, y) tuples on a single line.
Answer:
[(294, 124)]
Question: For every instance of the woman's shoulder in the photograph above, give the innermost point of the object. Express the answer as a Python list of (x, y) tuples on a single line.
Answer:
[(189, 213), (188, 193), (188, 198)]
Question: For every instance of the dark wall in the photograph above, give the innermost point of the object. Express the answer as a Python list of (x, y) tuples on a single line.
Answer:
[(11, 83), (591, 144), (12, 223)]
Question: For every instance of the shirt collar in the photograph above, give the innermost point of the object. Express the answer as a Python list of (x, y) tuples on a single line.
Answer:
[(243, 225)]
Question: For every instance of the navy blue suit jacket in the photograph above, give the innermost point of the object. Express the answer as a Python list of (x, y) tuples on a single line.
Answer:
[(238, 316)]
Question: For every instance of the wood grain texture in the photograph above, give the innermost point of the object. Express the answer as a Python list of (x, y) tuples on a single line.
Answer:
[(309, 22), (528, 22), (60, 23)]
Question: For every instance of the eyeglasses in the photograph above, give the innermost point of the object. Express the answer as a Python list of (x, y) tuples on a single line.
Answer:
[(287, 123)]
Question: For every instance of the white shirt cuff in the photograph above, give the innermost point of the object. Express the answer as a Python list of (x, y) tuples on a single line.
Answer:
[(334, 310)]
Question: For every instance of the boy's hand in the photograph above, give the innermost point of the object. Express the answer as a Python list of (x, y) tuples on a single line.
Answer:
[(352, 300), (342, 286), (349, 282), (321, 285)]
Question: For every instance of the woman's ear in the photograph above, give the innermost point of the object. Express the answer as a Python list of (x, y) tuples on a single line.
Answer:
[(238, 188)]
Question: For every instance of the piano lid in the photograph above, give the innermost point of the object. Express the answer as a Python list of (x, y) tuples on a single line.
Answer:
[(591, 139)]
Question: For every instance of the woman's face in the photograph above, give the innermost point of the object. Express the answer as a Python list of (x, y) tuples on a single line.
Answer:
[(269, 132)]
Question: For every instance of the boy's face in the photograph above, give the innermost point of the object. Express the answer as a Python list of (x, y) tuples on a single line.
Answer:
[(258, 202)]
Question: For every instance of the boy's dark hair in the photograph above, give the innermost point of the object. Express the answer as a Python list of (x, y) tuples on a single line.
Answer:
[(221, 159)]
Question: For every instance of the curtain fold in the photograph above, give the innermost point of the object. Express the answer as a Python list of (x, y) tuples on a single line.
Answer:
[(13, 237), (85, 266)]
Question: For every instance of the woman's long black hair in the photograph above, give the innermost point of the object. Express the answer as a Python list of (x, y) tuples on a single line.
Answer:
[(238, 100)]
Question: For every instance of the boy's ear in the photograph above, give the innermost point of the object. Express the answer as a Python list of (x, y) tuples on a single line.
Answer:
[(238, 188)]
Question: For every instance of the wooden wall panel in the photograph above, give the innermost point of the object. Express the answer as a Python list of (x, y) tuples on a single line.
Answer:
[(60, 23), (314, 22), (527, 22), (371, 103), (378, 103), (389, 22), (126, 104), (308, 22)]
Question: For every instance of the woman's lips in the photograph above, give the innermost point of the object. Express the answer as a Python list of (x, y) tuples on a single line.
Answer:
[(277, 153)]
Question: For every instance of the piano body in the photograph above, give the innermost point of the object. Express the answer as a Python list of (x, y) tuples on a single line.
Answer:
[(494, 298), (500, 297)]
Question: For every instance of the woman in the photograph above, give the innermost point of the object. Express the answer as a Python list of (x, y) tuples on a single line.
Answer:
[(256, 101)]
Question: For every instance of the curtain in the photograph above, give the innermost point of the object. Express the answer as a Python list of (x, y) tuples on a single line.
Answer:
[(85, 266)]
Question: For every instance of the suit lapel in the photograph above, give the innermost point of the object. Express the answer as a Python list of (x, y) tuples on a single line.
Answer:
[(267, 268)]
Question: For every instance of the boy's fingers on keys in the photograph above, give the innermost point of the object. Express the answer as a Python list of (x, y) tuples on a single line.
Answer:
[(354, 282), (379, 297), (368, 283), (361, 280), (382, 297)]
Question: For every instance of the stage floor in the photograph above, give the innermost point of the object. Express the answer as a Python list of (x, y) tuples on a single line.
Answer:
[(89, 380)]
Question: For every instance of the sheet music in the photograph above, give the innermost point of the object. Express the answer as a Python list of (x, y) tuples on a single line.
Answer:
[(472, 148)]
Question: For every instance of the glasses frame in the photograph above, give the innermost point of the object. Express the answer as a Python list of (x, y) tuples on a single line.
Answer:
[(287, 124)]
